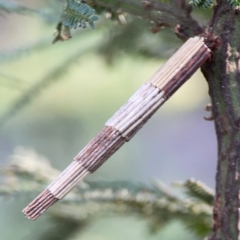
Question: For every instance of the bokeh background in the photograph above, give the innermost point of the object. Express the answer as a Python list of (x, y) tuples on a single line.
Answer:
[(56, 98)]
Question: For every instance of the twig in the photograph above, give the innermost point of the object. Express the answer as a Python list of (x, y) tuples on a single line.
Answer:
[(164, 14)]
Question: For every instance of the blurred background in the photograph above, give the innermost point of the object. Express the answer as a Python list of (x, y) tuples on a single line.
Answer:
[(56, 98)]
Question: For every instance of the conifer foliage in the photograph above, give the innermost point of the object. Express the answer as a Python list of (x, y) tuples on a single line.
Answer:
[(28, 172)]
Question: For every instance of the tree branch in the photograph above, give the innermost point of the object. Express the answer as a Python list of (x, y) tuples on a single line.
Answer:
[(175, 16), (222, 74)]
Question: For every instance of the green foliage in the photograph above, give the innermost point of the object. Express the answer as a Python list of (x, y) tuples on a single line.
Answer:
[(201, 3), (234, 3), (209, 3), (76, 14), (199, 190), (28, 172)]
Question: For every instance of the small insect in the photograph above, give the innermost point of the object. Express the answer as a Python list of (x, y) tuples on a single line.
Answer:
[(78, 14)]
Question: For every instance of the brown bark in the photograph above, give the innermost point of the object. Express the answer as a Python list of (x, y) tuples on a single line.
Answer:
[(223, 76), (173, 15)]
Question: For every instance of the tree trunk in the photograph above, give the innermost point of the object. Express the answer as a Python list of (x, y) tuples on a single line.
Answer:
[(223, 76)]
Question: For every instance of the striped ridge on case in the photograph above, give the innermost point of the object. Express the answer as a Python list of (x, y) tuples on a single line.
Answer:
[(68, 179), (39, 205), (97, 151), (175, 63), (135, 108)]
